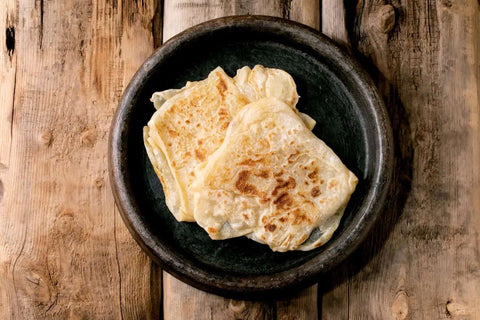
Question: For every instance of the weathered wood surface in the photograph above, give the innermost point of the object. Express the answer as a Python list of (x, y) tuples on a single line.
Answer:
[(64, 251), (423, 259)]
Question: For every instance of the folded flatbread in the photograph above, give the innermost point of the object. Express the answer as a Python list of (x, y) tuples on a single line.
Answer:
[(272, 180), (190, 124)]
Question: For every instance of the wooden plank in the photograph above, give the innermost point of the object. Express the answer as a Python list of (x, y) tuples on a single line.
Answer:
[(180, 15), (63, 251), (306, 12), (333, 21), (8, 68), (333, 294), (333, 289), (302, 306), (180, 300), (8, 65), (422, 260)]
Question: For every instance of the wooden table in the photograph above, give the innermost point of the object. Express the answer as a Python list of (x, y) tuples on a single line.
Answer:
[(64, 251)]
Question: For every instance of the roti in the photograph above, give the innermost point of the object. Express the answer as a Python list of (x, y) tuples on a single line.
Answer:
[(261, 82), (190, 124), (272, 180)]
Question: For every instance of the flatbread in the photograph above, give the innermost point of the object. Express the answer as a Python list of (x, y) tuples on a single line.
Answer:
[(261, 82), (188, 127), (190, 124), (272, 180)]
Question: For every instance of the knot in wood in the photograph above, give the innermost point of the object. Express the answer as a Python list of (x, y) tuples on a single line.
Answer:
[(89, 137), (46, 138), (400, 306), (237, 306), (383, 19), (99, 182)]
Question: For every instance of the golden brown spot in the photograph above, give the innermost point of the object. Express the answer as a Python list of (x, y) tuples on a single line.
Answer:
[(313, 175), (245, 216), (200, 142), (332, 184), (242, 183), (262, 237), (302, 239), (172, 133), (262, 174), (187, 121), (269, 125), (199, 153), (169, 144), (197, 125), (282, 184), (270, 227), (283, 201), (192, 173), (194, 101), (283, 219), (315, 192), (277, 174), (264, 219), (318, 244), (222, 87), (211, 230), (249, 162), (264, 200), (188, 154), (222, 112), (225, 125), (299, 217), (322, 181), (293, 156), (306, 182), (264, 143)]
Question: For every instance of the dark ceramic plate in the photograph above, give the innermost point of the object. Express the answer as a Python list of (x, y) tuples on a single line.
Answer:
[(334, 90)]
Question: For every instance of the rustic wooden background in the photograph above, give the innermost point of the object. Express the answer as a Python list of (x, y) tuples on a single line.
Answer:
[(64, 251)]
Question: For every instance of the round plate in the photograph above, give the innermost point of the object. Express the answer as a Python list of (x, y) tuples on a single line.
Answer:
[(333, 90)]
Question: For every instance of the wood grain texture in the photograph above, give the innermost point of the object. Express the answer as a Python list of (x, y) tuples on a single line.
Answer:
[(63, 251), (306, 12), (422, 260), (302, 306), (333, 289), (8, 67), (177, 17), (182, 301), (333, 21)]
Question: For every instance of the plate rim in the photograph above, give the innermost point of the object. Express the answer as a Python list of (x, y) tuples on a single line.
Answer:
[(307, 273)]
